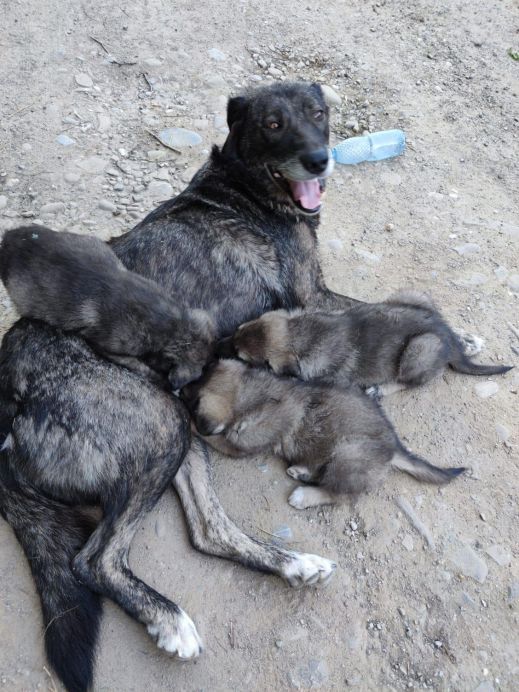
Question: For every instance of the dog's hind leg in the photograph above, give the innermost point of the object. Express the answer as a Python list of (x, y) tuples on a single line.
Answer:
[(212, 532), (103, 565)]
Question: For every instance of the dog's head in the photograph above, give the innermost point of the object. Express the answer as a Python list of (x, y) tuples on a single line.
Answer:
[(281, 132), (211, 400), (266, 341)]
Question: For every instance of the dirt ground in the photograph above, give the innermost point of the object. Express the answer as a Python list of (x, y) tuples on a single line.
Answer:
[(400, 612)]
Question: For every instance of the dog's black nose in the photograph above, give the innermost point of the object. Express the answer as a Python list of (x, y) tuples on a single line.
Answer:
[(315, 161)]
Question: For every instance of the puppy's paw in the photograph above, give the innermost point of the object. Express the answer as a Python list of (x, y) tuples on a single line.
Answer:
[(308, 570), (304, 497), (299, 473), (471, 343), (176, 634)]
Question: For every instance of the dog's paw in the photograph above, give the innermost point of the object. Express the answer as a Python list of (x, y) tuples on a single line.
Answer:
[(308, 570), (176, 634), (299, 473), (471, 343), (304, 497)]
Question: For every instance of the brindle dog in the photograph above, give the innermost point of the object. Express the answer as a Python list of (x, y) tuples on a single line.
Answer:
[(240, 240)]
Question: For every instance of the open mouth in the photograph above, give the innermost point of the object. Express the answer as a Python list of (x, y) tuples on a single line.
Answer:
[(306, 195)]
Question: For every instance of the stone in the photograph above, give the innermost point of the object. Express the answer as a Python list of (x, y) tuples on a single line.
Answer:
[(501, 273), (179, 138), (467, 249), (499, 554), (353, 124), (502, 432), (3, 201), (513, 592), (331, 97), (103, 122), (407, 542), (84, 80), (160, 528), (162, 174), (216, 54), (219, 122), (157, 155), (274, 72), (160, 190), (52, 208), (513, 282), (311, 674), (72, 177), (468, 562), (486, 389), (92, 164), (106, 205), (65, 140), (152, 62), (283, 532)]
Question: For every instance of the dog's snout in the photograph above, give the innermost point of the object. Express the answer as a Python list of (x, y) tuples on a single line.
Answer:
[(315, 161)]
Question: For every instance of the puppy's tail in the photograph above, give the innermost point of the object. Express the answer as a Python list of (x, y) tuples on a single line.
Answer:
[(51, 534), (460, 363), (422, 470)]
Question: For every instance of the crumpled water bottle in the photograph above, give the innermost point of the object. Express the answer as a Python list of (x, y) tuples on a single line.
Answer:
[(373, 147)]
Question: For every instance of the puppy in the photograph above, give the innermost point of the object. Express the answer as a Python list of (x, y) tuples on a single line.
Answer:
[(337, 439), (77, 284), (402, 342)]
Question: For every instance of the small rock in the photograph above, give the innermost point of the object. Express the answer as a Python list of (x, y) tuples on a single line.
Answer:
[(513, 282), (52, 208), (335, 244), (3, 201), (157, 155), (467, 249), (389, 227), (513, 592), (217, 55), (279, 643), (26, 146), (283, 532), (407, 542), (468, 562), (72, 177), (502, 432), (219, 122), (160, 528), (352, 125), (312, 674), (65, 140), (162, 174), (499, 555), (331, 97), (467, 601), (152, 62), (103, 122), (353, 525), (113, 172), (274, 71), (93, 164), (106, 205), (179, 138), (84, 80), (486, 389), (501, 273), (160, 190)]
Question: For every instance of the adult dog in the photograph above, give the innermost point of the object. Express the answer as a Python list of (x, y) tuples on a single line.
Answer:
[(240, 240)]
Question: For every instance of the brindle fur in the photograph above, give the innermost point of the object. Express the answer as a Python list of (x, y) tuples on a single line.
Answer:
[(403, 341), (233, 244), (76, 283)]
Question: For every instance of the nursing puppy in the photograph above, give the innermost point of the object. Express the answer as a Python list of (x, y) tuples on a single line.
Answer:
[(76, 283), (337, 439), (402, 342)]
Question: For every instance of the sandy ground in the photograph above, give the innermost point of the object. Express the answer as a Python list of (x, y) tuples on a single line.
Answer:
[(399, 613)]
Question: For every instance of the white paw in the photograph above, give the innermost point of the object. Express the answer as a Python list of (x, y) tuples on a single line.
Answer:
[(298, 472), (472, 344), (304, 497), (177, 636), (308, 570)]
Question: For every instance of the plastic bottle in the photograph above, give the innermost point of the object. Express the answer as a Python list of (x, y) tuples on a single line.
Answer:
[(373, 147)]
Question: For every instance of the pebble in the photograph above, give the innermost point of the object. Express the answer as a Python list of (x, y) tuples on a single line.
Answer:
[(26, 146), (468, 562), (106, 205), (311, 674), (157, 155), (407, 542), (353, 125), (513, 592), (152, 62), (499, 555), (219, 122), (501, 273), (65, 140), (389, 227), (162, 174), (93, 164), (467, 249), (160, 528), (179, 138), (72, 177), (415, 520), (502, 432), (216, 54), (283, 532), (335, 244), (331, 97), (274, 72), (3, 201), (52, 208), (486, 389), (103, 122), (84, 80), (160, 190), (513, 282)]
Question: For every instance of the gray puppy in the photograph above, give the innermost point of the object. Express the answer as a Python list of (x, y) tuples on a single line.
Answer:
[(76, 283), (337, 439), (399, 343)]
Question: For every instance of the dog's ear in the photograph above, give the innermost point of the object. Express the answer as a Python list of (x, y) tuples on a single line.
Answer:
[(236, 110)]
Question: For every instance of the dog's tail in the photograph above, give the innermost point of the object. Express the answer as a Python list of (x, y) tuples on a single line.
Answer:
[(422, 470), (51, 534), (460, 363)]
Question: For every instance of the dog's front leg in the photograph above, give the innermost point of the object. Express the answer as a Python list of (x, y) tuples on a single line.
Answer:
[(212, 532)]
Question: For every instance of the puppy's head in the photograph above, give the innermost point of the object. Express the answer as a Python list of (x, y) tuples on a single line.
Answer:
[(266, 341), (196, 350), (282, 131), (212, 399)]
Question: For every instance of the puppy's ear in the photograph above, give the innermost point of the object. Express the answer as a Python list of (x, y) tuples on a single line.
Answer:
[(236, 110), (317, 90)]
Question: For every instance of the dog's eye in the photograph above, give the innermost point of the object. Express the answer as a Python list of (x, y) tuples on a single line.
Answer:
[(274, 125), (319, 115)]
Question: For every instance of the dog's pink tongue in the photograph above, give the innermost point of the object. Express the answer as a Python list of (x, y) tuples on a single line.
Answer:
[(306, 192)]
